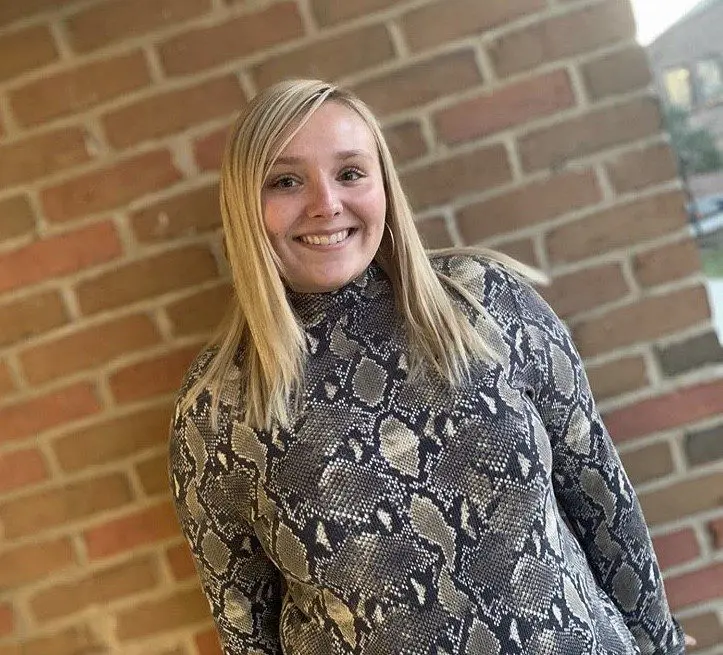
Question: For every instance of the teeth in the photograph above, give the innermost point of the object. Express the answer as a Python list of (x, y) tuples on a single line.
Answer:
[(324, 239)]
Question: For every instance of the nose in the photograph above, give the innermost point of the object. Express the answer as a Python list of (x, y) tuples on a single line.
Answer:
[(324, 201)]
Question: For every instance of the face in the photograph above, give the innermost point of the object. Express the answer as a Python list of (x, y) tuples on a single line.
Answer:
[(324, 203)]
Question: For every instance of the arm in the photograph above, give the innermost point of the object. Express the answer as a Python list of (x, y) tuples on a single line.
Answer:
[(590, 483), (241, 584)]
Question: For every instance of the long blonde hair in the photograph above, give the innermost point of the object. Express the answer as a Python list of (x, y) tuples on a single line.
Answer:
[(261, 334)]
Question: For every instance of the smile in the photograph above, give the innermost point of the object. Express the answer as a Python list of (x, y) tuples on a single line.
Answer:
[(326, 239)]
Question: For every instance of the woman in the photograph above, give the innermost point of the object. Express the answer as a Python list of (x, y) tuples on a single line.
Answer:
[(383, 453)]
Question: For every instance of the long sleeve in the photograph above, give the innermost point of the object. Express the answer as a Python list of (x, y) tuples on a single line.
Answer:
[(241, 584), (590, 484)]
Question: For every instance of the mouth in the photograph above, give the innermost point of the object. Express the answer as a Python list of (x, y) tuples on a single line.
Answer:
[(326, 239)]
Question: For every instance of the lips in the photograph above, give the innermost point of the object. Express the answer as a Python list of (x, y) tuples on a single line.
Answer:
[(325, 239)]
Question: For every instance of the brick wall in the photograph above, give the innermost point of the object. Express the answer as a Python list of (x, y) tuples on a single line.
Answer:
[(525, 124)]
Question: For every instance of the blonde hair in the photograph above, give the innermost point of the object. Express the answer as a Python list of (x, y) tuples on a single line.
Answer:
[(261, 334)]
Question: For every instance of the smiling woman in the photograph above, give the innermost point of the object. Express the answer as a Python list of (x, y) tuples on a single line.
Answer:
[(389, 451)]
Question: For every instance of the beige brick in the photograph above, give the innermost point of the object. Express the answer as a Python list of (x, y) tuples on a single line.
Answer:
[(648, 463), (667, 263), (200, 313), (32, 315), (406, 141), (153, 474), (35, 561), (618, 377), (447, 179), (420, 83), (76, 640), (638, 169), (329, 59), (435, 233), (559, 144), (330, 12), (535, 203), (17, 218), (146, 278), (69, 92), (439, 22)]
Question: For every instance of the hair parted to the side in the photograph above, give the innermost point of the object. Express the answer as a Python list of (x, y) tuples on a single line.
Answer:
[(261, 334)]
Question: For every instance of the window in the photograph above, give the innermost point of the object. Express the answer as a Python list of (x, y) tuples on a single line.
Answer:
[(678, 88), (710, 81)]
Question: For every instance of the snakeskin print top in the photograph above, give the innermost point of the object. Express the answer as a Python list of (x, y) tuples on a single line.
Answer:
[(397, 517)]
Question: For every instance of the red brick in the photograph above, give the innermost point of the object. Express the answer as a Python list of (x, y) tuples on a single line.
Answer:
[(31, 315), (330, 12), (716, 530), (619, 72), (113, 439), (180, 560), (641, 321), (73, 91), (447, 179), (619, 227), (7, 385), (173, 111), (207, 643), (672, 261), (59, 255), (668, 411), (147, 278), (535, 203), (695, 587), (683, 499), (76, 640), (331, 58), (439, 22), (153, 474), (7, 620), (618, 377), (97, 588), (129, 532), (570, 34), (109, 22), (157, 616), (648, 463), (505, 107), (21, 468), (638, 169), (706, 628), (676, 548), (34, 561), (186, 214), (405, 141), (558, 145), (435, 233), (94, 346), (34, 157), (18, 218), (152, 377), (110, 187), (420, 83), (49, 508), (206, 47), (29, 417), (201, 312), (208, 150), (25, 50), (586, 289)]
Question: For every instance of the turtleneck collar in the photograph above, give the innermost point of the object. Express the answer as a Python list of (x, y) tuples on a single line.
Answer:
[(312, 308)]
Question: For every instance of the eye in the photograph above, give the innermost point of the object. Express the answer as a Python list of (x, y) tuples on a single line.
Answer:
[(283, 182), (351, 175)]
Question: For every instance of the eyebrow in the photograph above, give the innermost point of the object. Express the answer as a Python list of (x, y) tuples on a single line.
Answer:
[(341, 156)]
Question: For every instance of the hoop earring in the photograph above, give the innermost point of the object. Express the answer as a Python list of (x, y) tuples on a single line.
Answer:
[(391, 235)]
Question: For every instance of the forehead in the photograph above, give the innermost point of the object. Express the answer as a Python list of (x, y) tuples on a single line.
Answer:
[(333, 126)]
